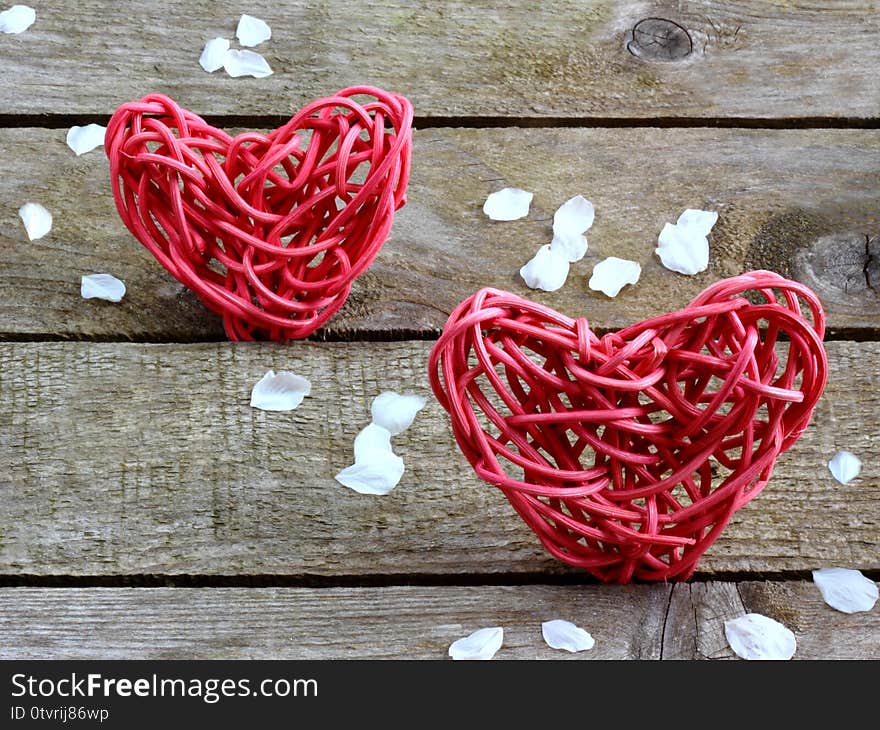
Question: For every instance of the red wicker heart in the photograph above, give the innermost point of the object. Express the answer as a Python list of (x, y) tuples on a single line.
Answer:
[(269, 230), (628, 454)]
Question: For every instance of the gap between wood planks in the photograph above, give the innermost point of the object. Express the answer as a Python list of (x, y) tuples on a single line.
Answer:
[(842, 334), (63, 121), (263, 580)]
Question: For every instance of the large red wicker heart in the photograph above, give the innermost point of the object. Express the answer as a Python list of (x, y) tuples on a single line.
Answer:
[(628, 454), (269, 230)]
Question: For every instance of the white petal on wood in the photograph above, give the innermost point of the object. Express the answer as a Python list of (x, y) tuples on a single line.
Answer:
[(371, 438), (281, 392), (844, 466), (85, 139), (395, 411), (17, 19), (574, 248), (754, 636), (246, 63), (102, 286), (698, 221), (376, 471), (252, 31), (846, 590), (508, 204), (547, 270), (561, 634), (214, 54), (683, 249), (37, 220), (482, 644), (573, 218), (612, 274)]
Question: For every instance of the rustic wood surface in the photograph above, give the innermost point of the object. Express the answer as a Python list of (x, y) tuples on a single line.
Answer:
[(684, 621), (141, 459), (802, 202), (131, 470), (568, 59)]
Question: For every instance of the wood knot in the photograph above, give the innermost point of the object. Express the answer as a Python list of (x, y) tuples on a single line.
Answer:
[(845, 268), (658, 39)]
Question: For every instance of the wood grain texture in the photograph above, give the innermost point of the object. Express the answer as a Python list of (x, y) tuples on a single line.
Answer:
[(570, 59), (801, 202), (147, 459), (629, 622), (328, 623)]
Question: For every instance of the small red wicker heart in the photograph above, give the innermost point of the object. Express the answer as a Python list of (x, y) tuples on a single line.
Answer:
[(628, 454), (269, 230)]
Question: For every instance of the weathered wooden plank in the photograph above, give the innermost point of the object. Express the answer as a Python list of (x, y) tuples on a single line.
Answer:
[(697, 612), (801, 202), (630, 622), (711, 58), (142, 459), (326, 623)]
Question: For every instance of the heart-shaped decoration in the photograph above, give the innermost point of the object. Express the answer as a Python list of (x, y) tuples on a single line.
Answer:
[(628, 454), (269, 230)]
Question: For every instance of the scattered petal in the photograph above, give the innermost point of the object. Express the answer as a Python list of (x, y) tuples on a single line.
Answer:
[(85, 139), (846, 590), (214, 54), (375, 471), (17, 19), (612, 274), (102, 286), (698, 221), (252, 31), (571, 220), (573, 248), (548, 270), (482, 644), (37, 220), (281, 392), (754, 636), (508, 204), (683, 249), (395, 412), (246, 63), (845, 466), (560, 634), (371, 438)]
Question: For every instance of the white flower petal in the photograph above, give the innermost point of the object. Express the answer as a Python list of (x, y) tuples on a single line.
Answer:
[(698, 221), (754, 636), (548, 270), (573, 218), (214, 54), (683, 249), (560, 634), (252, 31), (508, 204), (572, 247), (612, 274), (37, 220), (482, 644), (844, 466), (846, 590), (245, 63), (281, 392), (371, 438), (17, 19), (395, 412), (376, 471), (85, 139), (102, 286)]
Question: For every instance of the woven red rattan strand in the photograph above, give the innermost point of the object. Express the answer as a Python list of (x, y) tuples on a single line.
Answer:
[(628, 454), (269, 230)]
